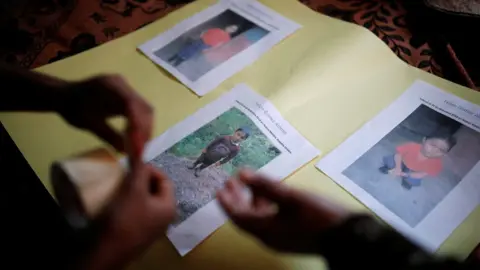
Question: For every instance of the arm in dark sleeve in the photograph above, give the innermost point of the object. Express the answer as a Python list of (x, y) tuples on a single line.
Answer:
[(27, 90), (364, 243), (230, 156)]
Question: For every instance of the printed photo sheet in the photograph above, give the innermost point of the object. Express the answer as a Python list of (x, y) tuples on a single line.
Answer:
[(416, 164), (241, 129), (213, 45)]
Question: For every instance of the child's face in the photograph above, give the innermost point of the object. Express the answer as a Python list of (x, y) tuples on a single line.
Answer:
[(239, 136), (231, 29), (435, 148)]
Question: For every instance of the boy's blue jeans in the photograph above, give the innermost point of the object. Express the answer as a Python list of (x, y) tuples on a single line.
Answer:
[(389, 162), (192, 49)]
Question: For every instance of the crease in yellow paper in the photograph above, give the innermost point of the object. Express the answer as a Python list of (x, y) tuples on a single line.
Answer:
[(327, 80)]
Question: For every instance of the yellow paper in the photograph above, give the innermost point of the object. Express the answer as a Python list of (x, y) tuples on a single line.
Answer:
[(327, 79)]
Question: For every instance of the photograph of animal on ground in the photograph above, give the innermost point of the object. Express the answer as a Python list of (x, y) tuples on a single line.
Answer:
[(200, 163), (206, 46), (413, 168)]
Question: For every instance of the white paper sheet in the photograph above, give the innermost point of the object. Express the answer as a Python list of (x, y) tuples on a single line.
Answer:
[(273, 148), (183, 52), (429, 212)]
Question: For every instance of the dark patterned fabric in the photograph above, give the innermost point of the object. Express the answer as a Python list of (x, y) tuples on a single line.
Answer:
[(386, 19), (38, 32)]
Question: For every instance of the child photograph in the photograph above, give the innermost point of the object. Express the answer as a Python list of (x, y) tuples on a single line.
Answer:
[(413, 168), (200, 163), (204, 47)]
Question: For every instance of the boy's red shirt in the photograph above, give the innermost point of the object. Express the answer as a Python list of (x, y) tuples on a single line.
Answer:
[(215, 37), (410, 156)]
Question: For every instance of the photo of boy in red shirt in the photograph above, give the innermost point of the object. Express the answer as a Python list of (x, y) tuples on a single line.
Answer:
[(220, 151), (416, 164), (414, 161), (209, 39), (206, 45)]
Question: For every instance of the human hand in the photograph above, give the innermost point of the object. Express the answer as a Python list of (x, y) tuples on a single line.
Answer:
[(87, 104), (142, 211), (284, 218), (217, 164)]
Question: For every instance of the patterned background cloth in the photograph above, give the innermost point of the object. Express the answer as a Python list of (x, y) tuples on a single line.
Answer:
[(38, 32)]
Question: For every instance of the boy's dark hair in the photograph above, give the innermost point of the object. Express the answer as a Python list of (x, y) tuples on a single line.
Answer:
[(451, 141), (245, 130)]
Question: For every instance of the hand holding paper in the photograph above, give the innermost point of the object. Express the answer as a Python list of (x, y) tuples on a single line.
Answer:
[(87, 104), (284, 218), (138, 215)]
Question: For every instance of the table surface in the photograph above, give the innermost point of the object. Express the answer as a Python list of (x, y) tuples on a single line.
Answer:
[(327, 80)]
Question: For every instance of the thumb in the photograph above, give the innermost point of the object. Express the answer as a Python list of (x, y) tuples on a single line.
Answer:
[(138, 172), (134, 145), (159, 185), (267, 188)]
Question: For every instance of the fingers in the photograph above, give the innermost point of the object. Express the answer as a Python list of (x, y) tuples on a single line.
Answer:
[(137, 111), (105, 96), (261, 203), (140, 125), (231, 197), (160, 191), (139, 114), (249, 216), (264, 187), (160, 186), (150, 182)]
